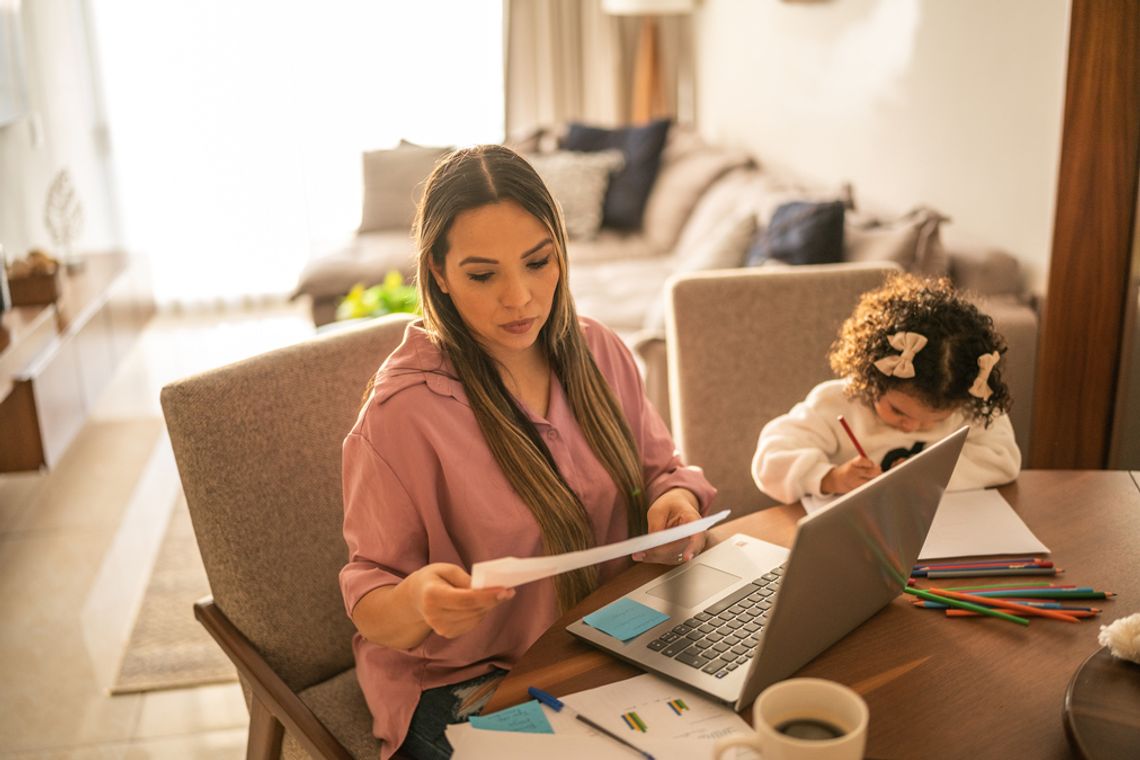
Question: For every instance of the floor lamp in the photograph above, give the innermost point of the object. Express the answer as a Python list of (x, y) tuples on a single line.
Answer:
[(648, 95)]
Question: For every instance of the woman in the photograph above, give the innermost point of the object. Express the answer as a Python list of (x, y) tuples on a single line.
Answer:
[(503, 425)]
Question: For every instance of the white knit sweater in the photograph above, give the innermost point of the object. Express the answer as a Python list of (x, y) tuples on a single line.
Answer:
[(797, 449)]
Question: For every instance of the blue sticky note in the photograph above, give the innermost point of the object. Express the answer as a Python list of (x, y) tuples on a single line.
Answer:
[(625, 619), (526, 718)]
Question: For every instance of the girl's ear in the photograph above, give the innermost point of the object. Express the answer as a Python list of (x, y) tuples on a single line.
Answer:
[(440, 280)]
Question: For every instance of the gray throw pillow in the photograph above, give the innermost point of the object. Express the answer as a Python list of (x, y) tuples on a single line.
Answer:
[(641, 147), (393, 182), (578, 181)]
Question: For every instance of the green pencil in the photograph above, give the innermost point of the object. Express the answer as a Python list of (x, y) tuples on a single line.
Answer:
[(964, 605)]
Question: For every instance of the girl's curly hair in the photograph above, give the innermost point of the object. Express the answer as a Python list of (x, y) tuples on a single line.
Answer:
[(957, 334)]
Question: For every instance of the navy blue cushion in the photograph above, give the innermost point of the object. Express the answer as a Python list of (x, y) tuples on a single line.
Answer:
[(629, 187), (801, 233)]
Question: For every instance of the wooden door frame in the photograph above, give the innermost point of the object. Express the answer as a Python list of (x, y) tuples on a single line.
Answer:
[(1079, 352)]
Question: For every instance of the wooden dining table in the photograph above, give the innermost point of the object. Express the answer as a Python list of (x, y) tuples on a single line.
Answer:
[(937, 687)]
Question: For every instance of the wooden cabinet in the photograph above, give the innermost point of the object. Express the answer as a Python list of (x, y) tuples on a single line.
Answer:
[(56, 360)]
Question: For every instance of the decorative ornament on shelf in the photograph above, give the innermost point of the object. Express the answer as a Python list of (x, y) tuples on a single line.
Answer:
[(63, 217), (34, 280)]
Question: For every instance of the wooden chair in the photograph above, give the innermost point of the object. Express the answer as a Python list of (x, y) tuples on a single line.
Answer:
[(743, 347), (258, 447)]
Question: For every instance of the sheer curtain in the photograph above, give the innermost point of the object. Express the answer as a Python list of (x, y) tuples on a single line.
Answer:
[(237, 125)]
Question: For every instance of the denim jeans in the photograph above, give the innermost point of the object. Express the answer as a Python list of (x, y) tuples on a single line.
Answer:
[(440, 707)]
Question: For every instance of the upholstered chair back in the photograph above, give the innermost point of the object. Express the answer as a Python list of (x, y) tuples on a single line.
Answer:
[(258, 448), (744, 346)]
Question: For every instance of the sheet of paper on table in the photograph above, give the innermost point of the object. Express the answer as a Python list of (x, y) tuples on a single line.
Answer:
[(679, 724), (977, 523), (515, 571), (967, 524)]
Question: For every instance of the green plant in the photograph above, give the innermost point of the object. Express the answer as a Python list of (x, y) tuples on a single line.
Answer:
[(390, 296)]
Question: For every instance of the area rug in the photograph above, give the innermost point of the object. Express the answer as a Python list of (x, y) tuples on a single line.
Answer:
[(169, 648)]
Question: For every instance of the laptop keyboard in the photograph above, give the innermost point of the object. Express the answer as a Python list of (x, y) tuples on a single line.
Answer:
[(723, 636)]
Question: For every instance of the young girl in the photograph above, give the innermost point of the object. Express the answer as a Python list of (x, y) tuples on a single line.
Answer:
[(504, 424), (918, 361)]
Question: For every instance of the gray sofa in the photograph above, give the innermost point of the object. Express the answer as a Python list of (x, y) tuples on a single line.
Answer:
[(705, 207)]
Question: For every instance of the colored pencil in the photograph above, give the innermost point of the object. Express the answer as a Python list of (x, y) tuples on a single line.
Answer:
[(1046, 593), (986, 570), (1039, 613), (981, 566), (965, 605), (1014, 586), (1028, 603), (854, 440), (1006, 604), (1015, 562), (981, 573)]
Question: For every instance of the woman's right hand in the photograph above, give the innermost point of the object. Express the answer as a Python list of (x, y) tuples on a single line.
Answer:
[(442, 596), (436, 598), (849, 476)]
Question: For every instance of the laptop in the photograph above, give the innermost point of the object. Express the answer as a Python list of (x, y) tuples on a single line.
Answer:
[(747, 613)]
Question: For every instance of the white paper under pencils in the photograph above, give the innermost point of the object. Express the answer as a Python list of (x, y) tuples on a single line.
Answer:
[(515, 571), (977, 523)]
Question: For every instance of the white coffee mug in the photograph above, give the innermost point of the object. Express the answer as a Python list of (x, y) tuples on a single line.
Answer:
[(805, 719)]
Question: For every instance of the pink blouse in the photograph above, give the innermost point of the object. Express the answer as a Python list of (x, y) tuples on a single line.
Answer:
[(421, 486)]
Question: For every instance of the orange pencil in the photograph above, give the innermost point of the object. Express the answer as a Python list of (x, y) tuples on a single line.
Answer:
[(1005, 604), (1036, 611), (851, 435)]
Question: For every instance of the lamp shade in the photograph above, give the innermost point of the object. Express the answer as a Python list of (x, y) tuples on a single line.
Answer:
[(647, 7)]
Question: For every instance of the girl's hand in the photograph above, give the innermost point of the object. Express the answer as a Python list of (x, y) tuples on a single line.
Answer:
[(442, 596), (849, 476), (676, 506)]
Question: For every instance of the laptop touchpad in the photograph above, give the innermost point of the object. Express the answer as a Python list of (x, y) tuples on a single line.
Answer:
[(690, 587)]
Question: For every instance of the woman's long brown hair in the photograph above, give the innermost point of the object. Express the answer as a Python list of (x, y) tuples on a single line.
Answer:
[(468, 179)]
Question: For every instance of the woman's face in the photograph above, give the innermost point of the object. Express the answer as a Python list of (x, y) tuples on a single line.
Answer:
[(501, 272), (906, 413)]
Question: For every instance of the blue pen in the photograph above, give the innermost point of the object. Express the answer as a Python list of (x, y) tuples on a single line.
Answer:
[(558, 705)]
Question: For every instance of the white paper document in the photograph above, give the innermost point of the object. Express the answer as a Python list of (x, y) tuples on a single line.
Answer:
[(513, 571), (977, 523), (672, 722)]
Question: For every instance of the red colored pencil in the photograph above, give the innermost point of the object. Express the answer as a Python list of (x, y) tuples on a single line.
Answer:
[(1005, 604), (854, 440)]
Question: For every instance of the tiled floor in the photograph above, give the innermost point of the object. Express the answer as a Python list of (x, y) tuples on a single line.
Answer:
[(76, 547)]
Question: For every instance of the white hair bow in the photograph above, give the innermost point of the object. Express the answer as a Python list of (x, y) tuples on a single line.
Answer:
[(981, 387), (908, 344)]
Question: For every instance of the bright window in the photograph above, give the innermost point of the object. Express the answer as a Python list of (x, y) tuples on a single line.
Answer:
[(237, 125)]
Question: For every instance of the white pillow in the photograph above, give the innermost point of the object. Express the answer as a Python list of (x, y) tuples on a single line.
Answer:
[(912, 241), (578, 181), (393, 182), (723, 248)]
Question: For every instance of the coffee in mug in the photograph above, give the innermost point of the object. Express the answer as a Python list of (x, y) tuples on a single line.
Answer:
[(805, 719)]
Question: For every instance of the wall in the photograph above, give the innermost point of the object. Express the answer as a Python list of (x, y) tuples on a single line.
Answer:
[(62, 130), (953, 103)]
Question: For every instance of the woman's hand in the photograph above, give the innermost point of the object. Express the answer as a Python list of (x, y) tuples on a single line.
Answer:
[(437, 597), (676, 506), (442, 596), (849, 476)]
